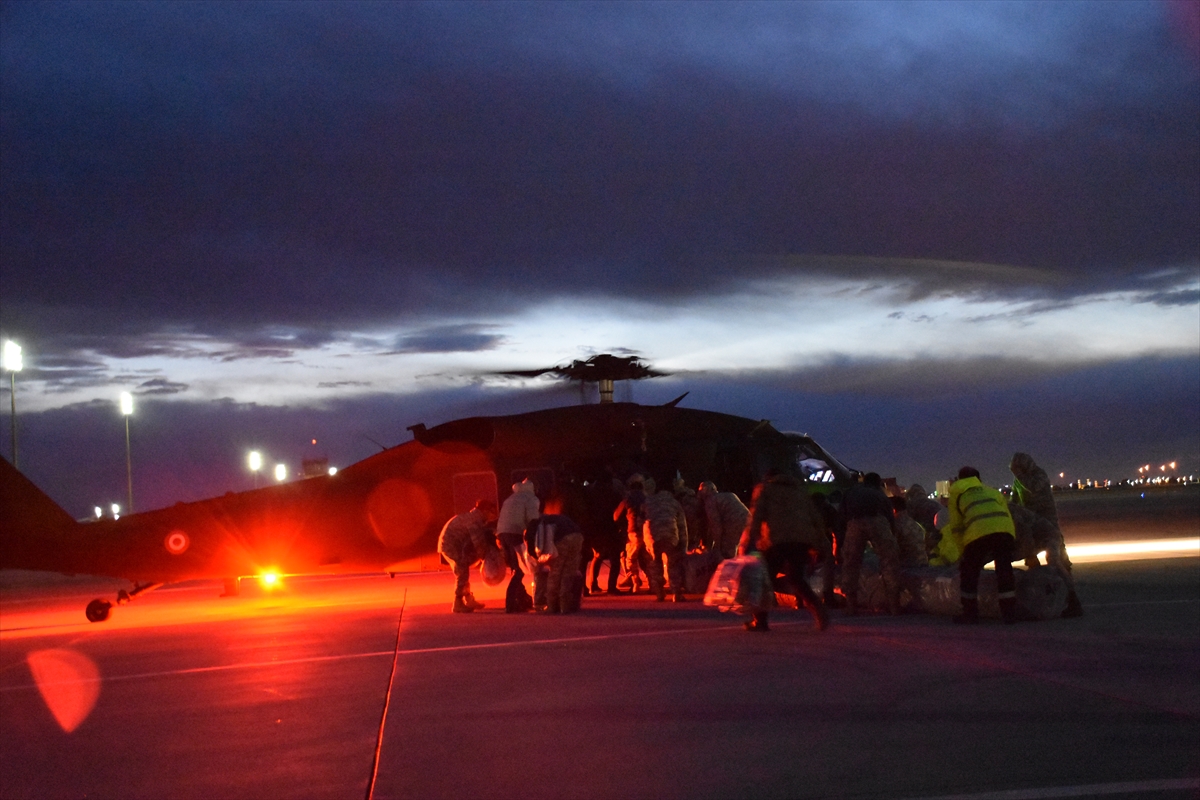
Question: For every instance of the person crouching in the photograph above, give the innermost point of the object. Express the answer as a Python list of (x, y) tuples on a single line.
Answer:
[(463, 541)]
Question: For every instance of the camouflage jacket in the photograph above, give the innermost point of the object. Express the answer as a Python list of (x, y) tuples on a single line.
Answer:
[(665, 519), (465, 537), (726, 516), (1032, 487)]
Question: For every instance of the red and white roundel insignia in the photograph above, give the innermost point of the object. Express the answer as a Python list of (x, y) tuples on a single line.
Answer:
[(176, 542)]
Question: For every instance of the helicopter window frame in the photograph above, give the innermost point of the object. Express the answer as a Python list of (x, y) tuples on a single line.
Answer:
[(468, 488)]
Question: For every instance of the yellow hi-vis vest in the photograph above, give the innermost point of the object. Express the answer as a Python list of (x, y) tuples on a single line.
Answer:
[(976, 511)]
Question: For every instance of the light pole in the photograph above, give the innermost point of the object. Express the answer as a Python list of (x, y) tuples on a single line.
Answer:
[(13, 363), (127, 411), (281, 472), (255, 461)]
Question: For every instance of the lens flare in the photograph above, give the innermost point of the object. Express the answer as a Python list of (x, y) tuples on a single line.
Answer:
[(69, 683)]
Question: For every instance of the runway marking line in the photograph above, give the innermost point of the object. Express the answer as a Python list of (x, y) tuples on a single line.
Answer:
[(1089, 790), (377, 654), (988, 663)]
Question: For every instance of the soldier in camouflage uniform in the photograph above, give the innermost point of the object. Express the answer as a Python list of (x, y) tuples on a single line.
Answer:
[(693, 512), (463, 541), (726, 515), (1032, 490), (910, 536), (666, 536)]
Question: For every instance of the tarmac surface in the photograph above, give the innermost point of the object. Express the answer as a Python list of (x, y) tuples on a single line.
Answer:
[(282, 693)]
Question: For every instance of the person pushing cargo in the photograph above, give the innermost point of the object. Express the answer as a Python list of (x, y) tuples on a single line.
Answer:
[(1032, 491), (463, 541)]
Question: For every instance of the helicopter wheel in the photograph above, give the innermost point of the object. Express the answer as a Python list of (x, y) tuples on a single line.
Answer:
[(97, 610)]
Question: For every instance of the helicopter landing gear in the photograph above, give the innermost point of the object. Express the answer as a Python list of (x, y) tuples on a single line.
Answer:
[(98, 610)]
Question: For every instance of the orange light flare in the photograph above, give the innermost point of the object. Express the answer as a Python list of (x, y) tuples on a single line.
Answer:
[(270, 579)]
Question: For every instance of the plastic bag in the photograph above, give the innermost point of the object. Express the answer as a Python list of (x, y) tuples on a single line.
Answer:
[(741, 585), (493, 569)]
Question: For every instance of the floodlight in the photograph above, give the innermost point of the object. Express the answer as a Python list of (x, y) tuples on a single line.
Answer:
[(12, 356)]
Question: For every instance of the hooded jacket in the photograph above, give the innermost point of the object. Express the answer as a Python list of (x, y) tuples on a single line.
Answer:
[(1032, 487), (783, 512), (519, 509)]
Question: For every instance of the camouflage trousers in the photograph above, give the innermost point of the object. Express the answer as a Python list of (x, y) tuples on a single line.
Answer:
[(878, 532), (462, 573), (664, 562), (1048, 537), (570, 553)]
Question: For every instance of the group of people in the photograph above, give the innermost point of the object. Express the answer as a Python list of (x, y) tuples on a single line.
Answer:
[(787, 525), (971, 525)]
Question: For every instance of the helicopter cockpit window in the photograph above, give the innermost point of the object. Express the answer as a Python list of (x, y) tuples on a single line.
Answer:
[(815, 470)]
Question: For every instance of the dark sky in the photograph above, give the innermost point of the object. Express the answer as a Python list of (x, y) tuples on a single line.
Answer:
[(882, 223)]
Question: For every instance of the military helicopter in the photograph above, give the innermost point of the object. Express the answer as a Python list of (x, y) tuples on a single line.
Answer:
[(385, 512)]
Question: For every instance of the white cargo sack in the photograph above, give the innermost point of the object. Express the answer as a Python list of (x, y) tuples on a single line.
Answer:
[(493, 569), (741, 585)]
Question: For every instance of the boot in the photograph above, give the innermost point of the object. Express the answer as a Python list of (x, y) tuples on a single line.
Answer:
[(758, 624), (469, 599), (1074, 607), (833, 600), (820, 615), (970, 615), (679, 597), (460, 607), (1008, 610)]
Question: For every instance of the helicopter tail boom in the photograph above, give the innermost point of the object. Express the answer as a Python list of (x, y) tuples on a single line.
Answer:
[(29, 520)]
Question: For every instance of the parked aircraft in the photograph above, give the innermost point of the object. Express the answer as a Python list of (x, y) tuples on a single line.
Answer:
[(384, 513)]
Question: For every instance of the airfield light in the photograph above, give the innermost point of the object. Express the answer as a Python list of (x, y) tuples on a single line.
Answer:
[(116, 510), (255, 461), (99, 512), (12, 356), (270, 579), (13, 363), (333, 470), (281, 472), (127, 411)]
